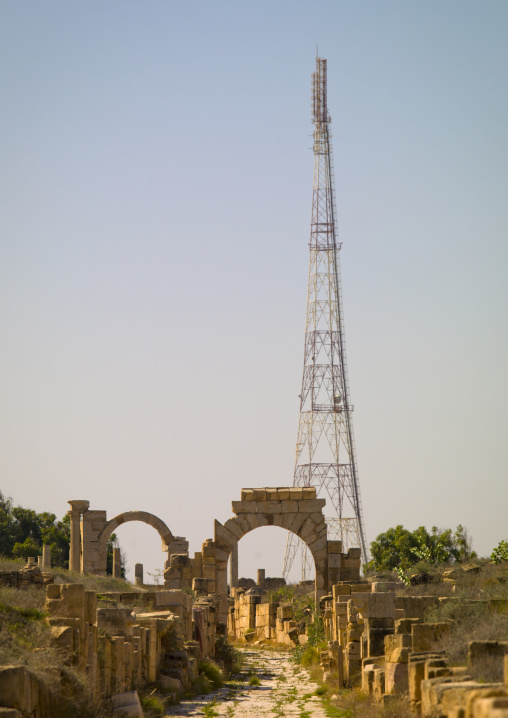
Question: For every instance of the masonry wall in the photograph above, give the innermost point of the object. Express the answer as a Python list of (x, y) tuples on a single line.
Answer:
[(116, 648), (381, 642)]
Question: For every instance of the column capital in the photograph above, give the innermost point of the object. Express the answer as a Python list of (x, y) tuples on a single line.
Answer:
[(79, 506)]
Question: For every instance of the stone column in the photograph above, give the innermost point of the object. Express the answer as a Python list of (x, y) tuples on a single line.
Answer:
[(46, 557), (261, 576), (117, 566), (233, 567), (138, 574), (77, 508)]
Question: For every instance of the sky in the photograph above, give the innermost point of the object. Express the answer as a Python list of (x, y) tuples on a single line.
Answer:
[(155, 196)]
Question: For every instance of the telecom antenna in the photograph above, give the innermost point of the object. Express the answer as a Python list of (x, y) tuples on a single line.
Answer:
[(325, 449)]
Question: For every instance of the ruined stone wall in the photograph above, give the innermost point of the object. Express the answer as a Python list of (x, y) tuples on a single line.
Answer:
[(117, 648), (375, 644)]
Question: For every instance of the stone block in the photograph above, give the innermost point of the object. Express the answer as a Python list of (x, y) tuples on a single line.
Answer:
[(397, 647), (416, 674), (15, 688), (221, 555), (341, 589), (169, 683), (416, 606), (383, 586), (334, 559), (289, 506), (442, 695), (66, 599), (496, 707), (311, 505), (91, 607), (173, 598), (376, 640), (354, 652), (253, 520), (179, 560), (241, 507), (209, 572), (403, 625), (272, 494), (481, 652), (308, 492), (247, 495), (319, 544), (428, 636), (396, 678), (222, 535), (379, 623), (368, 668), (200, 584), (208, 548), (269, 507), (296, 523), (375, 605), (116, 621), (126, 705), (378, 689), (259, 494), (334, 547), (233, 526), (362, 587)]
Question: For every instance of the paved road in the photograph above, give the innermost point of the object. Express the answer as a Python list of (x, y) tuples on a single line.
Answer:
[(285, 690)]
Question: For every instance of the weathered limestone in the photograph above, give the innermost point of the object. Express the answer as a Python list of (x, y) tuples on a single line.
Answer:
[(117, 565), (46, 557), (233, 567), (77, 509), (138, 574)]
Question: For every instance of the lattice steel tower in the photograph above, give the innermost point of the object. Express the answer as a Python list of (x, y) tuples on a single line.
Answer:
[(325, 450)]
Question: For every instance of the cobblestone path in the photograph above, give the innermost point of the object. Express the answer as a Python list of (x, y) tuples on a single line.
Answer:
[(285, 689)]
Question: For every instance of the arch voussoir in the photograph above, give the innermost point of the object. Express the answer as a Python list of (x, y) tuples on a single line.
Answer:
[(235, 528)]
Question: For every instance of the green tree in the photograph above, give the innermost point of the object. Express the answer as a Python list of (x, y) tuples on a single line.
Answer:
[(399, 548), (7, 532), (500, 553), (28, 548), (23, 533)]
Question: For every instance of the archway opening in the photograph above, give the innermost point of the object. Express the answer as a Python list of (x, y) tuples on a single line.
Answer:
[(141, 543), (264, 548)]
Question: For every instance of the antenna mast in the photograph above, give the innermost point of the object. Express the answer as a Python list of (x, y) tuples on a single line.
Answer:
[(325, 450)]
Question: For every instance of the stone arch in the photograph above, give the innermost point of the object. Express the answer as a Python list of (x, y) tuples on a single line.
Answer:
[(159, 525), (297, 510)]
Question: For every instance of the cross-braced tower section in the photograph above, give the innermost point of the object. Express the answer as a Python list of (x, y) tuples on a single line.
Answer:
[(325, 450)]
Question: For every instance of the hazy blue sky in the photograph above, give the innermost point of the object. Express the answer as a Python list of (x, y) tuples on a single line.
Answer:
[(156, 180)]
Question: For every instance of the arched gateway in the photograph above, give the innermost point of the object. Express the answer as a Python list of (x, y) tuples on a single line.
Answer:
[(295, 509), (150, 519), (90, 531)]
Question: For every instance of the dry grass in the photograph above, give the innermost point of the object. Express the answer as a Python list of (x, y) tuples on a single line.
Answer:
[(355, 704), (91, 582), (11, 564)]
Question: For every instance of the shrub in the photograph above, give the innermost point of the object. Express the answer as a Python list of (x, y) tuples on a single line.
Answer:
[(500, 553), (153, 705), (309, 656), (212, 672), (400, 547)]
